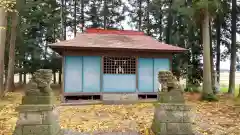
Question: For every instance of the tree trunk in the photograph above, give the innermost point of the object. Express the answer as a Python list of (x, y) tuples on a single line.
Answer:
[(218, 57), (140, 16), (75, 18), (211, 58), (5, 79), (25, 78), (207, 82), (238, 91), (148, 18), (105, 15), (10, 79), (169, 24), (54, 77), (82, 14), (20, 78), (3, 22), (160, 24), (231, 88), (62, 20), (65, 20), (60, 77)]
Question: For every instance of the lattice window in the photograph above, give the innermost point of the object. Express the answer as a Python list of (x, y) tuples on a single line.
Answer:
[(119, 65)]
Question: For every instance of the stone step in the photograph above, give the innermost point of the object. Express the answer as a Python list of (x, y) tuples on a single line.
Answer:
[(117, 97)]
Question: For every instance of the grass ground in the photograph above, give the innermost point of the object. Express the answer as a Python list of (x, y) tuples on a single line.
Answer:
[(225, 90), (216, 118)]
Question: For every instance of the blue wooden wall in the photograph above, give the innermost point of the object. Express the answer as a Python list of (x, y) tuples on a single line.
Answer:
[(148, 69), (83, 74), (73, 74), (119, 83), (145, 74), (91, 74)]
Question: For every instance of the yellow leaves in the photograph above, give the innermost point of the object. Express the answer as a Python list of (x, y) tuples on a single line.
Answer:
[(8, 5), (8, 115), (2, 28), (209, 118), (107, 118)]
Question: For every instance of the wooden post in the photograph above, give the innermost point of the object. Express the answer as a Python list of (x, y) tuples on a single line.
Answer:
[(63, 100)]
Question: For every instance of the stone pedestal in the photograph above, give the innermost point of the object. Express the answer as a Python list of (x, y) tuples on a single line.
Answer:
[(172, 119), (36, 113), (171, 116), (37, 120)]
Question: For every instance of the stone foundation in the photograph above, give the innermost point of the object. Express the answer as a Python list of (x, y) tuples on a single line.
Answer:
[(171, 116), (37, 120), (172, 119)]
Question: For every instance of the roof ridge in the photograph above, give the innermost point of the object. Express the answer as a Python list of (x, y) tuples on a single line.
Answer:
[(108, 31)]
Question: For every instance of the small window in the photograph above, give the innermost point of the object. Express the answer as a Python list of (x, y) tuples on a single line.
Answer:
[(119, 65)]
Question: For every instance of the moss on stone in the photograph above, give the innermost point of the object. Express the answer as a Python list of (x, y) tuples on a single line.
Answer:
[(156, 127), (209, 97)]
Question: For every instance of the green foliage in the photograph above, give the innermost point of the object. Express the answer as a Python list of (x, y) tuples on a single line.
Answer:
[(41, 25), (95, 14), (192, 88), (38, 27), (196, 7), (209, 97)]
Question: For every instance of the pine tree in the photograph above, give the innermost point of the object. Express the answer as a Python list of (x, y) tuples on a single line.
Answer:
[(233, 49)]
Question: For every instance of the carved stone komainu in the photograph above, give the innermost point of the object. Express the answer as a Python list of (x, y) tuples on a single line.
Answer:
[(171, 89), (38, 90), (171, 116), (40, 83), (36, 113)]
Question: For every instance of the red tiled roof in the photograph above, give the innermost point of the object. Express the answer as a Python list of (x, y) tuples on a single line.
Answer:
[(116, 39), (120, 32)]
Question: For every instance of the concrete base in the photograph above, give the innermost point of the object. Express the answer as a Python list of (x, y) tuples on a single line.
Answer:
[(117, 97), (172, 119), (120, 98), (37, 120)]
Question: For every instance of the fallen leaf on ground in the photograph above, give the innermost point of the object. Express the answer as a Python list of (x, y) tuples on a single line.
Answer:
[(216, 118)]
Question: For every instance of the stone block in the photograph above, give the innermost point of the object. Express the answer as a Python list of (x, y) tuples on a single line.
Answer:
[(41, 130), (173, 128), (30, 118), (119, 97), (111, 97), (37, 130), (35, 108), (50, 117), (179, 129), (186, 117), (174, 96), (185, 128), (170, 116), (159, 128), (187, 108), (37, 100), (18, 130), (173, 107)]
